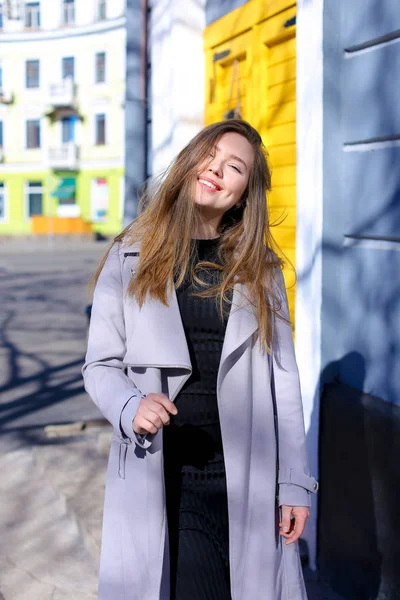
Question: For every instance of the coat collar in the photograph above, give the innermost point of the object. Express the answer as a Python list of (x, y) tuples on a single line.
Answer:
[(159, 339)]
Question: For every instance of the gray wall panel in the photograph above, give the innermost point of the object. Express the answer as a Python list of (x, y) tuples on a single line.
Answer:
[(364, 20), (369, 325), (360, 326), (371, 192), (370, 93), (215, 9)]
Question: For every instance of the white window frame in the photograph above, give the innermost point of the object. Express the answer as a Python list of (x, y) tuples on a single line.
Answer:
[(26, 198), (4, 219), (98, 4), (64, 6), (93, 185), (105, 67), (31, 118), (75, 63), (35, 12), (32, 89), (101, 111)]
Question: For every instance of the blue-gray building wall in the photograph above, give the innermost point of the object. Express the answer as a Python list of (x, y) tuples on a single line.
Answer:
[(360, 405), (135, 108), (215, 9)]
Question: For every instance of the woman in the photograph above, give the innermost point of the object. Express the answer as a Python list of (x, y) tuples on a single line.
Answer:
[(190, 357)]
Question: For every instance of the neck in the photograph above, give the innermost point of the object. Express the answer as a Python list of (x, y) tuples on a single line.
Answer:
[(207, 227)]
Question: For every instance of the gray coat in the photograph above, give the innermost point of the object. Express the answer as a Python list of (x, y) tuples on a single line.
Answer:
[(134, 351)]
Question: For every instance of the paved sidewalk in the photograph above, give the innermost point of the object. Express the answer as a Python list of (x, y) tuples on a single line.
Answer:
[(52, 502)]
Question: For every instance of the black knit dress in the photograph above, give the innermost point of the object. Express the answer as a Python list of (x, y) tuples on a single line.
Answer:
[(194, 469)]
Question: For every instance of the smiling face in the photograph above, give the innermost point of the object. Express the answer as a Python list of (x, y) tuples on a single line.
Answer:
[(222, 180)]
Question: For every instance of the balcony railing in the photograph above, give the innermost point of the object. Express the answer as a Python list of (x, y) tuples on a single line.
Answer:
[(62, 94), (63, 157)]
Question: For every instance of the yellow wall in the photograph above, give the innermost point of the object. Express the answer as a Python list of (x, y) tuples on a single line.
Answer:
[(256, 36)]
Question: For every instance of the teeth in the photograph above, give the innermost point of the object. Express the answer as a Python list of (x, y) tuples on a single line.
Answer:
[(208, 184)]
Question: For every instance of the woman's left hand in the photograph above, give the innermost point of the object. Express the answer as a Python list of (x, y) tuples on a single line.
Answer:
[(293, 521)]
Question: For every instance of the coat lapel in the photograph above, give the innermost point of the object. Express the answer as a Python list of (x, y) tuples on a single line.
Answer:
[(159, 338), (242, 323)]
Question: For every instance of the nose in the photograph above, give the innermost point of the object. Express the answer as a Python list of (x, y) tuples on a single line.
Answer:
[(215, 167)]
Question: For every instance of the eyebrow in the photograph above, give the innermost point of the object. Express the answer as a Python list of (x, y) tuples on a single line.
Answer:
[(234, 157)]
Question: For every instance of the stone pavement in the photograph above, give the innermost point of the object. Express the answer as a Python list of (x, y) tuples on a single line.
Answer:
[(51, 500)]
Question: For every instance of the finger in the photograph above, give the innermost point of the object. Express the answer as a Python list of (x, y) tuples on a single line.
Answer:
[(154, 418), (142, 426), (297, 531), (166, 403), (161, 412), (286, 511)]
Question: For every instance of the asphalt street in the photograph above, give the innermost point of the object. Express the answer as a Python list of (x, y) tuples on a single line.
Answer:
[(43, 329)]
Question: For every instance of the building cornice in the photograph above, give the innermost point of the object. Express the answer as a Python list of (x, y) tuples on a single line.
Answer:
[(65, 32)]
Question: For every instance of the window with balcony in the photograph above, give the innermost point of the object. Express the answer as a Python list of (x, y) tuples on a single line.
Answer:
[(34, 198), (32, 74), (100, 130), (3, 202), (100, 67), (33, 133), (32, 15), (1, 15), (68, 129), (68, 12), (101, 10), (1, 134), (68, 67)]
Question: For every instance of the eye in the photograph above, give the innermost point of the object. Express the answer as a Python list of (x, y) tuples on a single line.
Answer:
[(236, 168)]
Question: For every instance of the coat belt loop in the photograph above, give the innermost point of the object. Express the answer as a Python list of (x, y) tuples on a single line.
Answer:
[(123, 449)]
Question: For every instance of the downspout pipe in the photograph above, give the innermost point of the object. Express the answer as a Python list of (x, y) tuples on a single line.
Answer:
[(136, 145)]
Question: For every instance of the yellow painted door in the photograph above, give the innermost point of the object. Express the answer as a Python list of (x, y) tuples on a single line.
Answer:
[(277, 125), (254, 70), (228, 72)]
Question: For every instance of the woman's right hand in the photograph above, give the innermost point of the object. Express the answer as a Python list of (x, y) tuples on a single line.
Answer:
[(153, 413)]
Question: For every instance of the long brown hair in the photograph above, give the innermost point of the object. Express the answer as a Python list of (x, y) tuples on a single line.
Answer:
[(168, 219)]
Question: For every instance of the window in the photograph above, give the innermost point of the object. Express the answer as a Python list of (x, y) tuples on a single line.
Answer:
[(3, 202), (1, 134), (13, 9), (33, 133), (68, 12), (100, 67), (1, 18), (1, 75), (100, 195), (34, 197), (68, 67), (101, 10), (32, 73), (68, 129), (100, 130), (32, 15)]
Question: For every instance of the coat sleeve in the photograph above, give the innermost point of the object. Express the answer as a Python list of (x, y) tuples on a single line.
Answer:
[(104, 370), (294, 480)]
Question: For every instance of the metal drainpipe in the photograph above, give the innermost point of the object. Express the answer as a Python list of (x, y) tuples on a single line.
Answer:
[(136, 142)]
